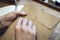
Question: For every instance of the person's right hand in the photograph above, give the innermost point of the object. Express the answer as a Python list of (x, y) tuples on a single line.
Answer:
[(25, 30)]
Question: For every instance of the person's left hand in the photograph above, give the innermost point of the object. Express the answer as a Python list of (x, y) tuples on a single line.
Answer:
[(7, 19)]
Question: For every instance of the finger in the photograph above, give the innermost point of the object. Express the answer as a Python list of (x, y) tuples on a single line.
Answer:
[(18, 29), (20, 13), (24, 24), (29, 25), (34, 29), (18, 26)]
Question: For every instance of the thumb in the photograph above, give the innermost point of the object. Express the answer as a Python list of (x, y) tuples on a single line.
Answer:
[(18, 13)]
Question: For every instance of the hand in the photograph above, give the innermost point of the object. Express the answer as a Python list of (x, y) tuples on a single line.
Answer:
[(25, 30), (7, 19)]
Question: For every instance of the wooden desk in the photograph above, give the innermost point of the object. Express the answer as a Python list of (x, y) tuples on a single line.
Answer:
[(44, 23)]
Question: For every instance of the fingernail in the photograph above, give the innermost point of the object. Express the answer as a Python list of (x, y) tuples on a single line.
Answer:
[(23, 12)]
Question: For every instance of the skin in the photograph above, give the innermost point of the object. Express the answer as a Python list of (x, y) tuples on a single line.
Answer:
[(7, 19), (25, 30)]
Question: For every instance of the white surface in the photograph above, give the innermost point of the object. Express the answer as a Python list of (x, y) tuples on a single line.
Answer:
[(7, 9), (46, 1), (58, 1), (53, 0), (57, 30), (20, 7)]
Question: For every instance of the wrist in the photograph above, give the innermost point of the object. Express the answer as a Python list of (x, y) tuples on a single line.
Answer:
[(1, 20), (2, 28)]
